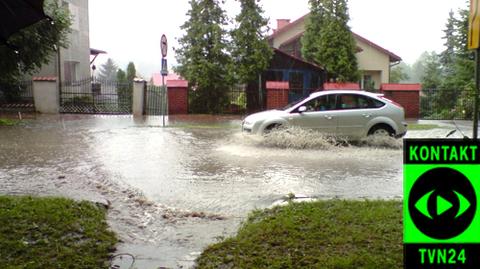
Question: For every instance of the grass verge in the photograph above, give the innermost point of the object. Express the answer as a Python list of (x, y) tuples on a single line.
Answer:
[(53, 233), (8, 122), (422, 127), (324, 234)]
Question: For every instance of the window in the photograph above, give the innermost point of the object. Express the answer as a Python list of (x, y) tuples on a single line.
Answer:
[(322, 103), (353, 101), (296, 82), (70, 71)]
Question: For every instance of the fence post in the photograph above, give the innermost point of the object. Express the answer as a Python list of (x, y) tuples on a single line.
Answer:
[(277, 94), (46, 95), (138, 97)]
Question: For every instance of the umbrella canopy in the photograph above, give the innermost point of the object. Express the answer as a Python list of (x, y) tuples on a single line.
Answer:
[(18, 14)]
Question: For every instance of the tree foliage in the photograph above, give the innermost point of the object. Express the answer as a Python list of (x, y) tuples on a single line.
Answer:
[(251, 52), (203, 56), (399, 74), (108, 70), (35, 44), (450, 74), (328, 40), (131, 71)]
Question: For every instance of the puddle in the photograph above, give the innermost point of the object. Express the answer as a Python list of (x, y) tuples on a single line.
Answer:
[(172, 191)]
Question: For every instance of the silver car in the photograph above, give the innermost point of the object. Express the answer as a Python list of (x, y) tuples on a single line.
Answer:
[(348, 114)]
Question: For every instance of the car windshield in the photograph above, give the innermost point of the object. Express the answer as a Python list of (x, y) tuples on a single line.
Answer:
[(293, 104)]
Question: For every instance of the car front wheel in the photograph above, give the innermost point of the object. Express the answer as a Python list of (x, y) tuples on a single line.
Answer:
[(381, 130)]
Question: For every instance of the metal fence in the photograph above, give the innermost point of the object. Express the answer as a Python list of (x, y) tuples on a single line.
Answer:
[(17, 97), (237, 100), (446, 104), (95, 96), (155, 101)]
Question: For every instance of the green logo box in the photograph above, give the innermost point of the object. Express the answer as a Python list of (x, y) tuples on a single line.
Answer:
[(441, 219)]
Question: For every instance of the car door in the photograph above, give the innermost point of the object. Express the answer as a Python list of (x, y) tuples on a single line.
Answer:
[(353, 114), (318, 116)]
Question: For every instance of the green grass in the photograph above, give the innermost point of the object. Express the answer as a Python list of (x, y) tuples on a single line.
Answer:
[(53, 233), (422, 127), (8, 122), (325, 234)]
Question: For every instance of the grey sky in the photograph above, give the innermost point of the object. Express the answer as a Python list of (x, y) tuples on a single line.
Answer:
[(130, 30)]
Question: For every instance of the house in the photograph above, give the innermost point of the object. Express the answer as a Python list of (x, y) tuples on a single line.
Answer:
[(303, 77), (374, 61), (72, 63)]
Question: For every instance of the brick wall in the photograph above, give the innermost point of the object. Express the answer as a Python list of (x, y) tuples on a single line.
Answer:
[(177, 97), (277, 94), (407, 95)]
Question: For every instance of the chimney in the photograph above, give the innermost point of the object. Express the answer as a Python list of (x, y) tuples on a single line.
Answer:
[(282, 23)]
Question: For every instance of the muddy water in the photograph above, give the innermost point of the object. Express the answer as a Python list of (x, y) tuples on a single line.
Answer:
[(175, 190)]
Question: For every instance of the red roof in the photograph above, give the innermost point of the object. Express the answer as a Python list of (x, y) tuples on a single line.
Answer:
[(393, 56), (157, 78), (401, 87), (341, 86), (44, 78)]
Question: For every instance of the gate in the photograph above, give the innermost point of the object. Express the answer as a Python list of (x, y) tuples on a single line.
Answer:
[(95, 96), (155, 101), (17, 97)]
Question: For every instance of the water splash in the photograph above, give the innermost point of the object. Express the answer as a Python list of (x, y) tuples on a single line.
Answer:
[(300, 139)]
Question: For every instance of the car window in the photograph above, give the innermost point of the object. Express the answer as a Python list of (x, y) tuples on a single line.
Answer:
[(321, 103), (355, 101)]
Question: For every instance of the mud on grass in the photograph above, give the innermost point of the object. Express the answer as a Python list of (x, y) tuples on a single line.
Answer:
[(324, 234), (53, 233)]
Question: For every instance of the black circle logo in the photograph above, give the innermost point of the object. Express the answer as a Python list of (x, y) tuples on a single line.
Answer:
[(442, 203)]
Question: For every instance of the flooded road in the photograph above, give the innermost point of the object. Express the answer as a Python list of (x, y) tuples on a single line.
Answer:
[(174, 190)]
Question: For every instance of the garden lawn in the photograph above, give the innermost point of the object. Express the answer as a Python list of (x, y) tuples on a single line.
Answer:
[(324, 234), (53, 233)]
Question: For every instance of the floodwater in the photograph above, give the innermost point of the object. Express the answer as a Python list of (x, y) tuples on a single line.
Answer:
[(172, 191)]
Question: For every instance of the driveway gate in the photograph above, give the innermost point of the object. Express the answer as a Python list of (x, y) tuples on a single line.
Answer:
[(156, 101), (94, 96)]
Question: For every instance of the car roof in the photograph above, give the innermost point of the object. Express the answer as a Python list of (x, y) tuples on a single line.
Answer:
[(320, 93)]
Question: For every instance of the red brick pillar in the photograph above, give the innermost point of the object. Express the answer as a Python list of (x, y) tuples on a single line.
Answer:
[(277, 94), (407, 95), (177, 97)]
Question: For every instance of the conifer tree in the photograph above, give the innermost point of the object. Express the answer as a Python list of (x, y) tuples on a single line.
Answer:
[(251, 51), (203, 58), (328, 40)]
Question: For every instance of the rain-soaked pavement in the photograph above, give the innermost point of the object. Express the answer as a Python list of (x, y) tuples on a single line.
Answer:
[(172, 191)]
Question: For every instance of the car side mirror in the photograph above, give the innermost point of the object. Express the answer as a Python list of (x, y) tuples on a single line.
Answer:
[(302, 109)]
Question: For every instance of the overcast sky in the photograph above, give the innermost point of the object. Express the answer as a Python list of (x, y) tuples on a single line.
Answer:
[(130, 30)]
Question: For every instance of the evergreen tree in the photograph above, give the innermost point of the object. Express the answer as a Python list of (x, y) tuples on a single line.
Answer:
[(108, 70), (203, 58), (35, 44), (251, 51), (432, 76), (121, 76), (131, 71), (328, 40), (447, 56)]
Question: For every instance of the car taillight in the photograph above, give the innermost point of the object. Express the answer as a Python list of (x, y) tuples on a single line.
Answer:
[(392, 102)]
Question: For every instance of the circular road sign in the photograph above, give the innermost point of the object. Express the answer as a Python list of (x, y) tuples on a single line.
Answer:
[(164, 46), (442, 203)]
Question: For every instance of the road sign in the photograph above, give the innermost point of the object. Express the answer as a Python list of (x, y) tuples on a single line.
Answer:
[(441, 219), (164, 67), (164, 46), (474, 25)]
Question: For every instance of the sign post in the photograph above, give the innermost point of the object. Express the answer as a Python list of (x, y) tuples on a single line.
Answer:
[(164, 72), (441, 213), (474, 44)]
